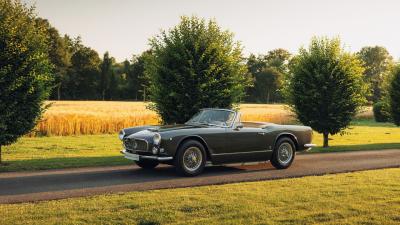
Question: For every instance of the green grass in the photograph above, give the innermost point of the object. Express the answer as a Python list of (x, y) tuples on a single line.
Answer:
[(63, 152), (369, 197), (101, 150), (362, 135)]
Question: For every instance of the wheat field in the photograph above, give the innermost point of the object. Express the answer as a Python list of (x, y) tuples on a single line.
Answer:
[(101, 117)]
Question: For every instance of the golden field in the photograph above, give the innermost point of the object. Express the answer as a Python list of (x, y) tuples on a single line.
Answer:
[(102, 117)]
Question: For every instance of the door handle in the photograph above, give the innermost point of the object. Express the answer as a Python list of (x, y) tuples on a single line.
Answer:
[(261, 133)]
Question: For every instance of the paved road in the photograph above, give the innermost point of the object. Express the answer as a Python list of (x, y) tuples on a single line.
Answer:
[(18, 187)]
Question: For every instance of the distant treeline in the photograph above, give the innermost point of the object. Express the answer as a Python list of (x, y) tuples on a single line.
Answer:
[(81, 74)]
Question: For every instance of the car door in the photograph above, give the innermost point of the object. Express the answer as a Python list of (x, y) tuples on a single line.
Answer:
[(245, 144)]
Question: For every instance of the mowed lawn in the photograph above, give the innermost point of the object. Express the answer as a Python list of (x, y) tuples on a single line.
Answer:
[(34, 153), (369, 197), (362, 135)]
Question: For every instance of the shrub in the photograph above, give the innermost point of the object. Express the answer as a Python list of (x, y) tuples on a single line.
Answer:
[(381, 111)]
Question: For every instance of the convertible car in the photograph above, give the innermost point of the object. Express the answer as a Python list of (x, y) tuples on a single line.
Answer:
[(214, 136)]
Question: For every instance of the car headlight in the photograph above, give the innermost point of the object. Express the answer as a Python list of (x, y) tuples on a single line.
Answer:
[(121, 135), (156, 138)]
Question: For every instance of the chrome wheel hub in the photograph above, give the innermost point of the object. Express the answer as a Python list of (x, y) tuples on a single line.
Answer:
[(285, 153), (192, 159)]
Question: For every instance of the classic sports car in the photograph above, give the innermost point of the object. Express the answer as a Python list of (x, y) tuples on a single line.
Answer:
[(215, 136)]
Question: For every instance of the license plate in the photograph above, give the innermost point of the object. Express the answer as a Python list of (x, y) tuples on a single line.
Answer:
[(131, 156)]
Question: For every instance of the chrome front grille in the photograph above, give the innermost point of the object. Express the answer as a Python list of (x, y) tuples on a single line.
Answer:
[(135, 144)]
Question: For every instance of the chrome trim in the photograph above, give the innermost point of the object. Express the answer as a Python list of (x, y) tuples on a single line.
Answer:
[(141, 139), (158, 158), (123, 134), (233, 153), (310, 145)]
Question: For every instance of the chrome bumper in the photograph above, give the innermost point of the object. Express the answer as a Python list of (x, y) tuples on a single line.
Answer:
[(309, 145), (137, 157)]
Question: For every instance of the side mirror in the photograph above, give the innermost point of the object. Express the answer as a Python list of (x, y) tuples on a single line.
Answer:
[(239, 126)]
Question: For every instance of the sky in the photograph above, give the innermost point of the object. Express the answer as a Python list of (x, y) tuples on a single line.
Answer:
[(123, 27)]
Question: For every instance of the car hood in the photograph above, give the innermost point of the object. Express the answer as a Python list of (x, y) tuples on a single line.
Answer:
[(166, 128), (148, 132)]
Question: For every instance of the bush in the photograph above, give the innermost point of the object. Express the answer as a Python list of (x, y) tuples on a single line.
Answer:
[(382, 111)]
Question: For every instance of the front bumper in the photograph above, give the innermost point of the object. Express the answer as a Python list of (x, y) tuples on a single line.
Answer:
[(136, 157), (309, 145)]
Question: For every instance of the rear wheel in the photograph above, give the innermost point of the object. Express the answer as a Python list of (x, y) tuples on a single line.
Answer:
[(191, 158), (283, 154), (147, 164)]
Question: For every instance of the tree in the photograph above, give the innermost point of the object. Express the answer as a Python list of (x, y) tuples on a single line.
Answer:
[(137, 81), (25, 71), (192, 66), (278, 59), (267, 72), (83, 74), (267, 84), (325, 88), (59, 55), (105, 75), (377, 63), (394, 93)]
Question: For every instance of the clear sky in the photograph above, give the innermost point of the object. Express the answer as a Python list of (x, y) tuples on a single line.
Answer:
[(123, 27)]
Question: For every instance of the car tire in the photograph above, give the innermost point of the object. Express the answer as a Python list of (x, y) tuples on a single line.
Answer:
[(190, 159), (147, 164), (284, 153)]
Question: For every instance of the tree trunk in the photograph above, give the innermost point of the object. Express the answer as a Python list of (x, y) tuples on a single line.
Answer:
[(326, 134), (59, 92), (144, 94)]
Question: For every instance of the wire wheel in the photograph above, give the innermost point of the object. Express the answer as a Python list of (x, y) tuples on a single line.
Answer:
[(192, 159), (285, 153)]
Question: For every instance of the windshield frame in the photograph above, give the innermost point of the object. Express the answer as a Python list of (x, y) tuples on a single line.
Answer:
[(216, 125)]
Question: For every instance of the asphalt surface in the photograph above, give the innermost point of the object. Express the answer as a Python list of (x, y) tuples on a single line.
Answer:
[(16, 187)]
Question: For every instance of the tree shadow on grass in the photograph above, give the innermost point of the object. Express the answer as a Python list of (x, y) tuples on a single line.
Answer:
[(365, 147), (63, 162)]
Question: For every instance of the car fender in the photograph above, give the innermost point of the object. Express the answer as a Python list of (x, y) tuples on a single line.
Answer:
[(287, 134), (197, 138)]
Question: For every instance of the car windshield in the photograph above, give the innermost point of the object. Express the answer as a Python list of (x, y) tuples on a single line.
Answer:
[(213, 117)]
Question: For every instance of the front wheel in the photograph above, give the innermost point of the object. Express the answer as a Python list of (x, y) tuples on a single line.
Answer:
[(147, 164), (191, 158), (283, 154)]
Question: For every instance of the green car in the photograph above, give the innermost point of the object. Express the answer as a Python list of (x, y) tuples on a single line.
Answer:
[(214, 136)]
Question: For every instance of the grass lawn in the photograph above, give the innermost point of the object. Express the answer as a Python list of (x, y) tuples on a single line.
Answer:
[(362, 135), (35, 153), (99, 150), (369, 197)]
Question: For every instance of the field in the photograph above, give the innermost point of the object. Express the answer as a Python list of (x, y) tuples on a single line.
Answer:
[(369, 197), (102, 120), (102, 117), (34, 153)]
